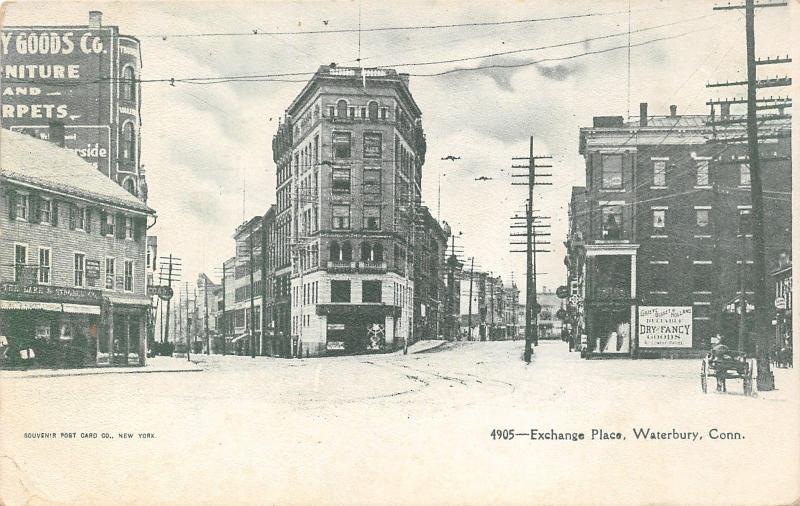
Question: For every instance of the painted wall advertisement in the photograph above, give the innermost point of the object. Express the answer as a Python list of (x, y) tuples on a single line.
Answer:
[(59, 75), (665, 326)]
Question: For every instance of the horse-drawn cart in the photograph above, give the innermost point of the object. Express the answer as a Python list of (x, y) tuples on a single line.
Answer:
[(727, 365)]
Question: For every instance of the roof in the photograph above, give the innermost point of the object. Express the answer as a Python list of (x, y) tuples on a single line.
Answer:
[(44, 165)]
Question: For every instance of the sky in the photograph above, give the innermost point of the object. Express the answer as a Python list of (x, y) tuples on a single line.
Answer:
[(207, 150)]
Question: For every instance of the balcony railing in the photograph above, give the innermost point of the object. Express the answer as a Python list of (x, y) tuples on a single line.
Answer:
[(341, 266), (371, 266)]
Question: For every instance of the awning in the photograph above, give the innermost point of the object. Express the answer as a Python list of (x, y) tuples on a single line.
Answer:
[(23, 305), (132, 300)]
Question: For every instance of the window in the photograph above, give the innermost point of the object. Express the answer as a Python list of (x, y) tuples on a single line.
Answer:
[(128, 227), (702, 217), (347, 251), (659, 218), (129, 186), (128, 142), (331, 111), (745, 221), (341, 217), (45, 208), (107, 224), (335, 252), (128, 84), (384, 113), (373, 145), (128, 275), (341, 180), (44, 266), (612, 222), (20, 259), (110, 273), (744, 174), (372, 181), (341, 109), (341, 144), (373, 110), (370, 291), (340, 291), (611, 171), (372, 217), (701, 174), (79, 268), (22, 206), (352, 113), (660, 173)]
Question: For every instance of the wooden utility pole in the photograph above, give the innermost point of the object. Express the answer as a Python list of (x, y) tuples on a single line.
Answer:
[(173, 267), (531, 306), (765, 380), (188, 325), (205, 317), (469, 315)]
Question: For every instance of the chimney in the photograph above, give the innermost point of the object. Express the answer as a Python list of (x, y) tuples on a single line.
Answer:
[(673, 110), (95, 19), (725, 110), (643, 114)]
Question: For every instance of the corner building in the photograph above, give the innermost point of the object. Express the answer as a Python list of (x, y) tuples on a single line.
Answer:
[(349, 163)]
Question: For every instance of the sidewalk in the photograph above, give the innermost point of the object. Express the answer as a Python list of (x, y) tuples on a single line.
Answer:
[(425, 345), (154, 364)]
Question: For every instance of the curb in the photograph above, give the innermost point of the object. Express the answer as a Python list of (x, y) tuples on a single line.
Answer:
[(94, 373), (434, 347)]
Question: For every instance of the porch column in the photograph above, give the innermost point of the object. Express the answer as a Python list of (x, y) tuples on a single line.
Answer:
[(111, 333), (142, 338), (127, 347)]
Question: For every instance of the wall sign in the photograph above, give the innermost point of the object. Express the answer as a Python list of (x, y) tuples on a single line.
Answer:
[(665, 326)]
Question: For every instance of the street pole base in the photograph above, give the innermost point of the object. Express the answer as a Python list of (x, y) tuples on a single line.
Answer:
[(765, 381), (527, 356)]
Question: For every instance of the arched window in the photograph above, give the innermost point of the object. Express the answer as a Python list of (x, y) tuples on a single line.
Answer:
[(347, 251), (128, 142), (129, 186), (341, 109), (336, 253), (377, 252), (373, 111), (366, 252), (128, 84)]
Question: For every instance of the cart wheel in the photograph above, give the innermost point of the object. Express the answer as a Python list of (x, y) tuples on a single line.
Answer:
[(704, 377), (747, 380)]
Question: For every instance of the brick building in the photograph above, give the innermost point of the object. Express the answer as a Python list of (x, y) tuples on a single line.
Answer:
[(73, 270), (349, 159), (667, 240)]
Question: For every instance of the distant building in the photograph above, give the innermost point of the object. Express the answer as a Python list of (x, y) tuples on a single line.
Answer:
[(782, 281), (205, 310), (349, 162), (73, 283), (666, 256)]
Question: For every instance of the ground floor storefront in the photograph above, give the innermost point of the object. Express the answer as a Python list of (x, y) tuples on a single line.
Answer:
[(43, 326)]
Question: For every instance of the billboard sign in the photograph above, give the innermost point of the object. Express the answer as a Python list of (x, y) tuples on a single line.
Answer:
[(665, 326), (55, 74)]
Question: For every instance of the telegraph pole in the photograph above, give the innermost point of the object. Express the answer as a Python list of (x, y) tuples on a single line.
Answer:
[(531, 306), (188, 324), (765, 380), (173, 267), (205, 306), (469, 316)]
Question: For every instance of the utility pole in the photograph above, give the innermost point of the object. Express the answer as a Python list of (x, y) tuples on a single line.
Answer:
[(469, 316), (765, 380), (224, 319), (531, 306), (172, 265), (188, 324), (205, 306), (742, 298)]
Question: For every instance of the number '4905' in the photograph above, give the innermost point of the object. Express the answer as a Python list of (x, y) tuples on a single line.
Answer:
[(507, 434)]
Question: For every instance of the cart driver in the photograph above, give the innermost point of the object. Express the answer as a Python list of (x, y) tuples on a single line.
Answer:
[(720, 353)]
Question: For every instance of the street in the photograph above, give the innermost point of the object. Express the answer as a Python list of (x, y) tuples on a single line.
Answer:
[(381, 429)]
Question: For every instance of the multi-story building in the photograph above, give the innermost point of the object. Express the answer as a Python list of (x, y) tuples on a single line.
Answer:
[(667, 241), (205, 309), (575, 261), (429, 284), (510, 297), (548, 323), (79, 87), (72, 278), (782, 281), (245, 289), (349, 159)]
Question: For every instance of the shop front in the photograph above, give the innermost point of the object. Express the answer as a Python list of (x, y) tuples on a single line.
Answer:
[(47, 326), (358, 328), (125, 324)]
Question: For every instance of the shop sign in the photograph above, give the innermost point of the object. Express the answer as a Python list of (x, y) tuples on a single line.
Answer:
[(162, 292), (335, 345), (665, 326), (780, 303), (336, 326), (372, 145), (93, 269), (47, 293)]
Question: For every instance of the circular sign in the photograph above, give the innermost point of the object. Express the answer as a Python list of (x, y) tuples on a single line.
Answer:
[(536, 308), (562, 292), (780, 303), (561, 314)]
